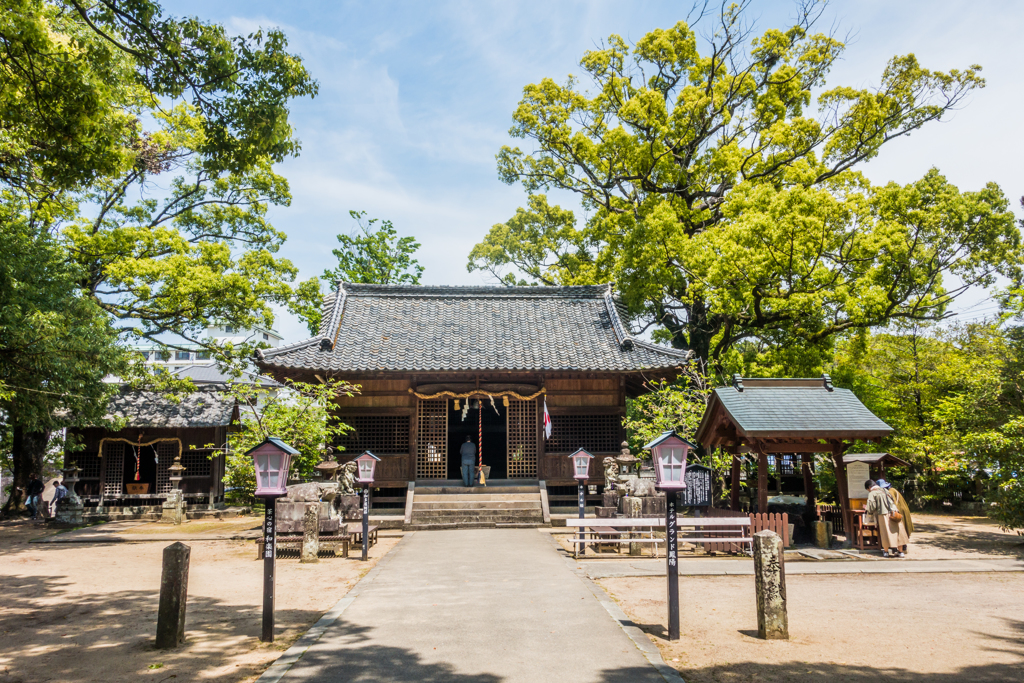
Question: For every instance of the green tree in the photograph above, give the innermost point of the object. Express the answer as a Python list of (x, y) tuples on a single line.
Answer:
[(299, 414), (371, 254), (97, 99), (725, 210), (56, 346)]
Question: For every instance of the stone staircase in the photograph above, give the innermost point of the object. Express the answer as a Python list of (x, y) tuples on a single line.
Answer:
[(506, 505)]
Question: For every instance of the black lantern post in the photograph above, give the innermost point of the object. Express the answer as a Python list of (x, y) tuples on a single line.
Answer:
[(271, 460), (581, 473), (366, 464), (669, 452)]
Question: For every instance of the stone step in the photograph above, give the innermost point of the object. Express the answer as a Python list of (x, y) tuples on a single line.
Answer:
[(470, 525), (418, 506), (473, 490), (447, 516), (468, 498)]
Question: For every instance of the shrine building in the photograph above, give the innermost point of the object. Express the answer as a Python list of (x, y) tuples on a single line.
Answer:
[(437, 364)]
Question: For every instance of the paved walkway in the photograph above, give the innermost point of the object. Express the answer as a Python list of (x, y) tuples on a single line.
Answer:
[(477, 606)]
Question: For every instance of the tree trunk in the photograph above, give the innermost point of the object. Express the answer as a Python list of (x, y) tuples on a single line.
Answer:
[(28, 451)]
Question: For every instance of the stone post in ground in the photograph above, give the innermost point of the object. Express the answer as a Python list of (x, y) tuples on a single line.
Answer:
[(820, 531), (70, 509), (770, 586), (310, 533), (635, 508), (170, 621)]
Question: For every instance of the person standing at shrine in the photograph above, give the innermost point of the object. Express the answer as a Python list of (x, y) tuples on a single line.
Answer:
[(891, 534), (468, 453), (901, 505), (34, 491)]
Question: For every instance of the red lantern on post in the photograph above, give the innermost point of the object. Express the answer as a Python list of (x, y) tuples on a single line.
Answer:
[(365, 466), (669, 452), (271, 459), (581, 465)]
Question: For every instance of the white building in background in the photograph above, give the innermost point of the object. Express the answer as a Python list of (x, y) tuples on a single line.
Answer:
[(187, 354)]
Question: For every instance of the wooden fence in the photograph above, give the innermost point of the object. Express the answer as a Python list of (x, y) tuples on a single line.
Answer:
[(777, 522), (831, 513)]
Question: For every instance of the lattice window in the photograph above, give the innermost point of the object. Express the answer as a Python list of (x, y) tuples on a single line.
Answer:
[(197, 462), (432, 440), (522, 439), (379, 434), (113, 457), (166, 452), (89, 464), (596, 433)]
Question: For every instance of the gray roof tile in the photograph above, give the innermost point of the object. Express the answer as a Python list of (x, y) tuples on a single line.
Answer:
[(814, 411), (207, 406), (427, 328)]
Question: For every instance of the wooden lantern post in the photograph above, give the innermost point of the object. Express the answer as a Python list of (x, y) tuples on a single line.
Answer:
[(669, 452), (271, 460)]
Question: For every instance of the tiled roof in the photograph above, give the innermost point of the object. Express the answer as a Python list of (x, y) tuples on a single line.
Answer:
[(421, 328), (207, 406), (212, 374), (811, 409)]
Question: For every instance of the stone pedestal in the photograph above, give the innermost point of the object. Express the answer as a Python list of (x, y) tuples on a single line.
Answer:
[(770, 586), (605, 512), (70, 511), (610, 499), (173, 510), (653, 506), (350, 508), (822, 534), (310, 533)]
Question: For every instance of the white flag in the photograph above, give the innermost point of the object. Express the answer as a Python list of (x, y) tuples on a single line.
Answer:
[(547, 420)]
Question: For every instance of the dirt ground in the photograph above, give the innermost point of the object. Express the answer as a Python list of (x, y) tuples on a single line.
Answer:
[(87, 612), (843, 628)]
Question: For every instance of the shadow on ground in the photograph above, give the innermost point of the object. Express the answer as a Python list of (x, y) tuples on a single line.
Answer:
[(111, 636)]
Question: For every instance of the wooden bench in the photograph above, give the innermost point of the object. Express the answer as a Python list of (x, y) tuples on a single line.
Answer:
[(716, 525), (356, 530), (328, 544)]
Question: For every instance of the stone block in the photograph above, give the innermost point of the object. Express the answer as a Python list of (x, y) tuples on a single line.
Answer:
[(606, 512), (349, 507), (310, 533), (610, 499), (770, 586), (170, 621), (173, 509), (654, 506)]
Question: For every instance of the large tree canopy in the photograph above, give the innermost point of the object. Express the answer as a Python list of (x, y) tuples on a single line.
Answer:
[(727, 207)]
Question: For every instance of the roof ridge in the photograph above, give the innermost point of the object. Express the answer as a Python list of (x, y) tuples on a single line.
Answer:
[(559, 291)]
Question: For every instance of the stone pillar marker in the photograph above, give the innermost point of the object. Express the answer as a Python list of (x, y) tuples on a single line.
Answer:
[(170, 621), (310, 533), (770, 586), (635, 508), (822, 534)]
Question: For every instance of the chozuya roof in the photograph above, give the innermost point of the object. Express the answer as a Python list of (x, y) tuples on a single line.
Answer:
[(788, 408), (207, 406), (419, 328)]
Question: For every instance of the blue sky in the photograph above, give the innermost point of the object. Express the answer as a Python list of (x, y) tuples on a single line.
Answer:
[(416, 98)]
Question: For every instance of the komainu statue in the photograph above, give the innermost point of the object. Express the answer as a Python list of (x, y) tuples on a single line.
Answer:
[(347, 476), (611, 473)]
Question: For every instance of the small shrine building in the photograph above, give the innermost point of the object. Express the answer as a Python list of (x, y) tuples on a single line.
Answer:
[(438, 364)]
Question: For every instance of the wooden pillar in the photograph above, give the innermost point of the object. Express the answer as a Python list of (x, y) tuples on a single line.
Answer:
[(810, 490), (734, 484), (762, 480), (844, 498)]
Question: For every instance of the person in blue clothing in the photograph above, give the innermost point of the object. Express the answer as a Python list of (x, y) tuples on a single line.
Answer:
[(468, 452)]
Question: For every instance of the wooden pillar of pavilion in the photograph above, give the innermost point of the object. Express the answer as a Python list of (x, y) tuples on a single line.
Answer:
[(762, 480), (841, 485), (734, 481), (810, 490)]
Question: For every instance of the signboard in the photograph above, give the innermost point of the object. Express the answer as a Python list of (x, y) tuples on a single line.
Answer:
[(856, 474), (698, 487)]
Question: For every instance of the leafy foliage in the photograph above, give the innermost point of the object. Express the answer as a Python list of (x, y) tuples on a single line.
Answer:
[(724, 210), (298, 414)]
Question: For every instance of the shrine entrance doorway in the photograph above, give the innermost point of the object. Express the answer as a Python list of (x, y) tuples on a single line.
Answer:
[(495, 428)]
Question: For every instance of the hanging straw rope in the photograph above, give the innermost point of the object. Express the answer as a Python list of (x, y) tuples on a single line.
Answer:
[(477, 393), (480, 441)]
